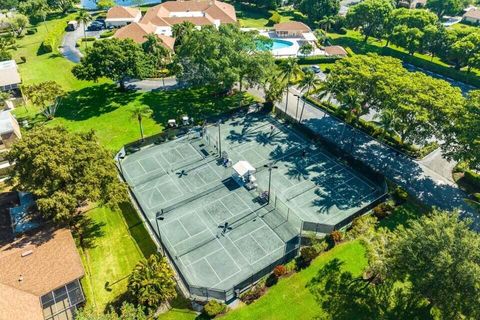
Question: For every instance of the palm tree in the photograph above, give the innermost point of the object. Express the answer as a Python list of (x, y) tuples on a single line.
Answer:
[(306, 49), (326, 23), (385, 120), (84, 17), (310, 81), (181, 30), (289, 70), (160, 55), (139, 113), (152, 282)]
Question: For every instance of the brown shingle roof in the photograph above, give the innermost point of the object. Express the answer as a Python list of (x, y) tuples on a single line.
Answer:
[(138, 31), (120, 12), (212, 9), (52, 261), (19, 305), (472, 13), (32, 266), (335, 51), (292, 26)]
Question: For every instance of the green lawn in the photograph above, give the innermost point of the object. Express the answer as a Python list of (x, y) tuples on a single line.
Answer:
[(253, 18), (354, 41), (122, 242), (47, 66), (108, 112), (290, 298)]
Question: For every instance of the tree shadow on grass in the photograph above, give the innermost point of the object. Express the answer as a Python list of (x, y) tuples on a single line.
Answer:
[(197, 103), (86, 230), (137, 230), (344, 296), (94, 101)]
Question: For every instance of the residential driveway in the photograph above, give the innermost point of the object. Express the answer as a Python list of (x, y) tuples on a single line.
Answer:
[(416, 177), (154, 84), (68, 50)]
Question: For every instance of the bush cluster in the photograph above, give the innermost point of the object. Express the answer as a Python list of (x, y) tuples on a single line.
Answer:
[(253, 294), (399, 195), (214, 308), (336, 236), (49, 44), (279, 270), (274, 18), (382, 210), (472, 179)]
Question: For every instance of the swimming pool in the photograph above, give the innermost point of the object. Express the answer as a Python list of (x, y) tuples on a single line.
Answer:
[(276, 45)]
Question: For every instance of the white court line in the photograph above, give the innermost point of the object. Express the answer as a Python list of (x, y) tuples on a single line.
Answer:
[(246, 205), (208, 212)]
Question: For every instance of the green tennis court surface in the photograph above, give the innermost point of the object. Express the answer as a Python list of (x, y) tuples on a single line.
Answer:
[(220, 236)]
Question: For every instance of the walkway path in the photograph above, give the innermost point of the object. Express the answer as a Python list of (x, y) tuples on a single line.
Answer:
[(415, 176)]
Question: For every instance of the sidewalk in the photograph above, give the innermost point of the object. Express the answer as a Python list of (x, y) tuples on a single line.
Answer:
[(418, 179)]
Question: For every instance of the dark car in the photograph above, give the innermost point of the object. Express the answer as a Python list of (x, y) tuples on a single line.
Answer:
[(95, 26)]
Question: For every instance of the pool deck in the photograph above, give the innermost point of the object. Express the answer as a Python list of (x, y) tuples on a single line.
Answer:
[(291, 51)]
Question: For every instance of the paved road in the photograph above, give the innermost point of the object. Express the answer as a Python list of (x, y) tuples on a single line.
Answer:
[(69, 49), (415, 176), (154, 84)]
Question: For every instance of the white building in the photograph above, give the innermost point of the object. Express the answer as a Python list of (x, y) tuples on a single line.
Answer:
[(121, 16)]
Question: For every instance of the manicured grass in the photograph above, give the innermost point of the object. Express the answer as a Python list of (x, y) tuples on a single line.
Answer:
[(354, 41), (290, 298), (108, 112), (122, 243), (46, 66), (250, 17)]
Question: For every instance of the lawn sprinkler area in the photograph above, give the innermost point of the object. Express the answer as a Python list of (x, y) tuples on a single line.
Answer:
[(222, 236)]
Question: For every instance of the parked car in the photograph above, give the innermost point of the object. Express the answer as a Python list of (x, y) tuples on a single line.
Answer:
[(72, 25), (316, 69), (95, 26)]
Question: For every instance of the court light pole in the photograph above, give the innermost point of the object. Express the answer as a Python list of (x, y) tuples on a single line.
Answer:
[(159, 216), (270, 167), (219, 139), (298, 103), (120, 158)]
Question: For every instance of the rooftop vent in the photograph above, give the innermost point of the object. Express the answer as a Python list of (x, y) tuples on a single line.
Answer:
[(27, 253)]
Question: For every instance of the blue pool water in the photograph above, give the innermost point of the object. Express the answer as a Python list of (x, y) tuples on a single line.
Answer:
[(276, 44)]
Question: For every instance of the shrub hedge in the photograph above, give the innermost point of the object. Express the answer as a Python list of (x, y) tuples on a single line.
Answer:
[(317, 59), (213, 308), (472, 178)]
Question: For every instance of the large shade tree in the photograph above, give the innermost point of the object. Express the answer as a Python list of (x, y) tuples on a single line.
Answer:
[(221, 58), (462, 142), (118, 60), (64, 171), (370, 17), (438, 257), (316, 10)]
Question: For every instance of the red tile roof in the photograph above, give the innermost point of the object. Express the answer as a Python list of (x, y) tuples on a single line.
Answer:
[(292, 26), (120, 12), (138, 31), (162, 14)]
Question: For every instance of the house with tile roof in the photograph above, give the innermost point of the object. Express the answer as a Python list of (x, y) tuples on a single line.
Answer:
[(121, 16), (472, 15), (160, 18), (40, 276), (138, 32), (198, 12)]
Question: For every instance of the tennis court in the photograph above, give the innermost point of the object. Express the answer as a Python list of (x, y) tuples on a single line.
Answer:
[(309, 180), (220, 235)]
